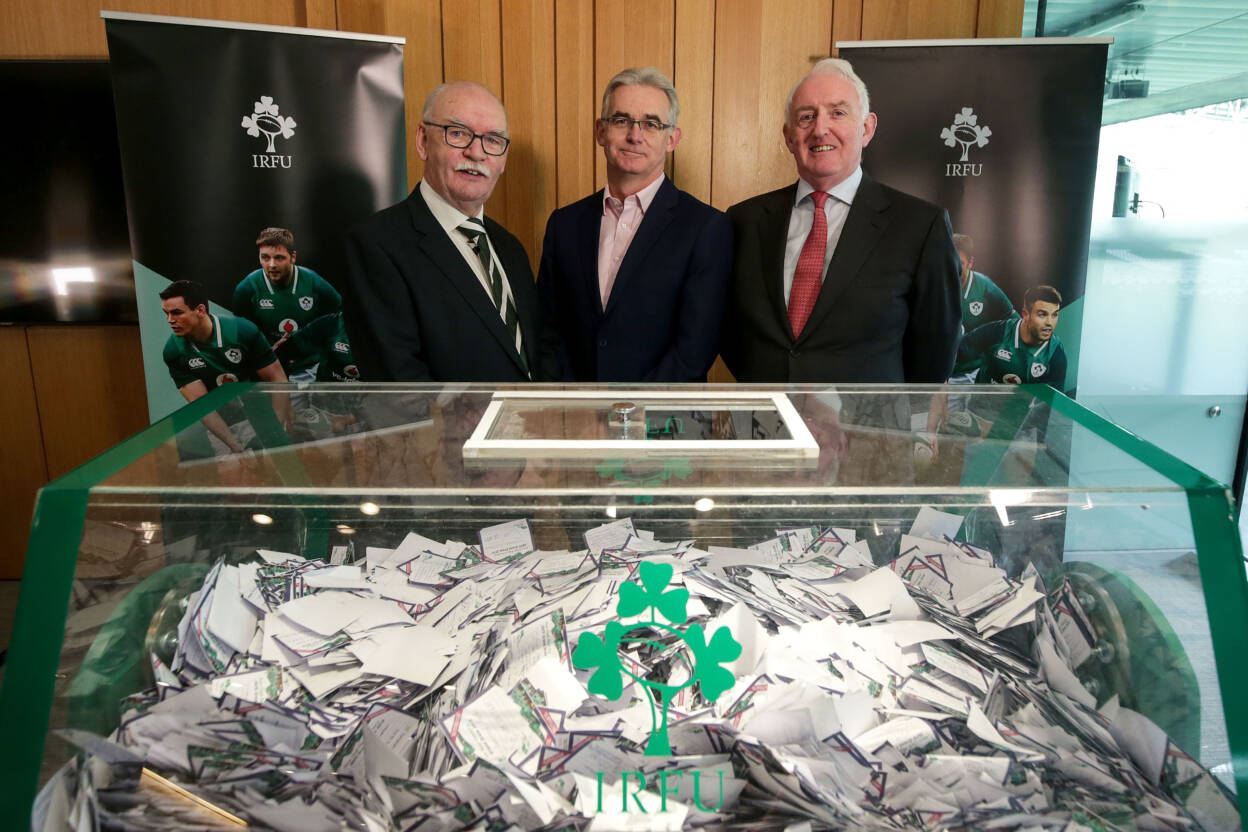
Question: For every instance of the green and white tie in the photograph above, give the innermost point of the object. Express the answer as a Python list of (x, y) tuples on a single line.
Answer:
[(474, 229)]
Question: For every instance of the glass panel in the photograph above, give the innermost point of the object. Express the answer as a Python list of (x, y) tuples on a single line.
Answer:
[(1034, 485)]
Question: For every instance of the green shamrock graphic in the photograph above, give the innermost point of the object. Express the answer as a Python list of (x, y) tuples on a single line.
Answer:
[(603, 653)]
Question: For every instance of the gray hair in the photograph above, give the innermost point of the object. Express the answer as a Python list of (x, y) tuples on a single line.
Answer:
[(431, 100), (646, 77), (965, 244), (832, 66)]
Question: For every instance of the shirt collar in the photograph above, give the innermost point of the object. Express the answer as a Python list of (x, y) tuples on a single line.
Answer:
[(294, 281), (447, 215), (643, 197), (845, 190)]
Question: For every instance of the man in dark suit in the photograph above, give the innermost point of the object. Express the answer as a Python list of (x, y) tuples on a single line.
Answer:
[(440, 292), (839, 278), (633, 277)]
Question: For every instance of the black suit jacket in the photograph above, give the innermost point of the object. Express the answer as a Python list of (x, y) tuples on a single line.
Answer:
[(663, 315), (415, 311), (889, 307)]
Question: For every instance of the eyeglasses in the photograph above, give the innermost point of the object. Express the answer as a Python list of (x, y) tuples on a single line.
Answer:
[(624, 124), (456, 136)]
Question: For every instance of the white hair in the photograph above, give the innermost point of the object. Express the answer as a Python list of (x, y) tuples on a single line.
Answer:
[(431, 100), (832, 66)]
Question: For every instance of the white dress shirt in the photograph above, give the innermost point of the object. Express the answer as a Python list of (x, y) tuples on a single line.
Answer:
[(451, 218), (803, 218)]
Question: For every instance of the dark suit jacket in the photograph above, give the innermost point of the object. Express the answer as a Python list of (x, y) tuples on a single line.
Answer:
[(889, 307), (416, 312), (663, 316)]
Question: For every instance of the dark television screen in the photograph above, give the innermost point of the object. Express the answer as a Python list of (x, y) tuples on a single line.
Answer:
[(64, 241)]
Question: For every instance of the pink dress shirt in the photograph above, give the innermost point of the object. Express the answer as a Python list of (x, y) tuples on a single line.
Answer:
[(620, 219)]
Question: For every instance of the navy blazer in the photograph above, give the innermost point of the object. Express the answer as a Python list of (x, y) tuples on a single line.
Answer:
[(663, 317), (889, 310), (415, 311)]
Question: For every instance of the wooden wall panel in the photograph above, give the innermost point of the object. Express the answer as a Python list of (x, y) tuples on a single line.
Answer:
[(694, 78), (529, 92), (73, 28), (846, 20), (640, 33), (472, 50), (22, 466), (751, 83), (576, 100), (420, 21), (909, 19), (999, 19), (89, 381)]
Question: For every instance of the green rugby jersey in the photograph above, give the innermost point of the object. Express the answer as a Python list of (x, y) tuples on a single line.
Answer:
[(234, 352), (982, 303), (283, 311), (325, 339), (1003, 358)]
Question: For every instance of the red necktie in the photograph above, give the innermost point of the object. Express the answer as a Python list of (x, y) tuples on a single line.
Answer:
[(808, 276)]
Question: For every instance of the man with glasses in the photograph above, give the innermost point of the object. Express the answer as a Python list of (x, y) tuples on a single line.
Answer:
[(439, 291), (633, 277), (839, 278)]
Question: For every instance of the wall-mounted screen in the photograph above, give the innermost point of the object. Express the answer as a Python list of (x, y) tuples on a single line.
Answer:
[(64, 240)]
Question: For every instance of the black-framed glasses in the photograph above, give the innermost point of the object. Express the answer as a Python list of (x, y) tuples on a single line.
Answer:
[(625, 124), (457, 136)]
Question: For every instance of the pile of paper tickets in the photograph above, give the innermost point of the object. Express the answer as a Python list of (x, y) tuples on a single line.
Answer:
[(444, 686)]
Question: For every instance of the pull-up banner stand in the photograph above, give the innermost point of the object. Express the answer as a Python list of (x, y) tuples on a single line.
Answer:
[(228, 128), (1003, 134)]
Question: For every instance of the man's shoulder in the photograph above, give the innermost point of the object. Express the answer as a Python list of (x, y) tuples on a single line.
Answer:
[(250, 281), (763, 202), (387, 221), (871, 189), (237, 329), (173, 348), (992, 331), (690, 205), (315, 276)]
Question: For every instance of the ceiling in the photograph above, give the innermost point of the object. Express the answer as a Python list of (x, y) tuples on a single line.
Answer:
[(1190, 52)]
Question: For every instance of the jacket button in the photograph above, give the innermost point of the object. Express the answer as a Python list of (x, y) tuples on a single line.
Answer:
[(602, 342), (795, 353)]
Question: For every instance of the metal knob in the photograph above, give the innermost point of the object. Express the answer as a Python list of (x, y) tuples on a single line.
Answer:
[(1214, 411)]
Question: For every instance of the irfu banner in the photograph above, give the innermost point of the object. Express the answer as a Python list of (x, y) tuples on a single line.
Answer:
[(227, 129), (1003, 134)]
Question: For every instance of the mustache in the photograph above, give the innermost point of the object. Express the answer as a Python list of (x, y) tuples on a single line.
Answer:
[(474, 167)]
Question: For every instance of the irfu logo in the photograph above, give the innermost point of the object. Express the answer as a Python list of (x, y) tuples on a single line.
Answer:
[(604, 653), (268, 121), (966, 131)]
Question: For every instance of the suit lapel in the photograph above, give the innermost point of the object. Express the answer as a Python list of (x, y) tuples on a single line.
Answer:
[(772, 233), (589, 228), (660, 214), (437, 246), (868, 215)]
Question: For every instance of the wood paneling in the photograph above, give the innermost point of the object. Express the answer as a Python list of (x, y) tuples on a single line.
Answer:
[(73, 28), (89, 381), (22, 466), (999, 19), (846, 20), (639, 33), (909, 19), (576, 100), (694, 78), (752, 80), (472, 50), (529, 93)]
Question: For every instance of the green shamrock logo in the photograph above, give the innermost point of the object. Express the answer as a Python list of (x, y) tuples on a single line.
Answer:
[(603, 652)]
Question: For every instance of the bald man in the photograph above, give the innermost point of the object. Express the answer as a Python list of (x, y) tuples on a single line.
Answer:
[(439, 291)]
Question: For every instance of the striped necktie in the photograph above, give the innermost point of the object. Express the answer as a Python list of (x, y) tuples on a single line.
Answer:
[(474, 229)]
